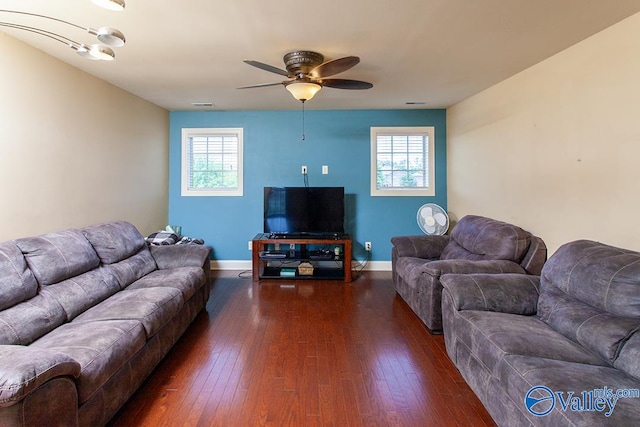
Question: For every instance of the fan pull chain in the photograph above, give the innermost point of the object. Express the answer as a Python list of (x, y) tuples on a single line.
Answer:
[(303, 119)]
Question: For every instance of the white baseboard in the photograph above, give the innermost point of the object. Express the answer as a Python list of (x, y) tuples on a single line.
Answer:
[(230, 265), (377, 266), (246, 265)]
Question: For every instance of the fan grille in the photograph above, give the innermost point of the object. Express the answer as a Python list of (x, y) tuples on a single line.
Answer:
[(432, 219)]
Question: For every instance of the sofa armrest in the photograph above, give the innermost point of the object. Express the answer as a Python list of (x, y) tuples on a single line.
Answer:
[(467, 266), (173, 256), (423, 246), (505, 293), (24, 369)]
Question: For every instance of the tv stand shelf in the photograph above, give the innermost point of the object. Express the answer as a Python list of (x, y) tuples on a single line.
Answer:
[(278, 257)]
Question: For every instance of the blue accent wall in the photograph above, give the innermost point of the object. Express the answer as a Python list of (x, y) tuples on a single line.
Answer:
[(273, 155)]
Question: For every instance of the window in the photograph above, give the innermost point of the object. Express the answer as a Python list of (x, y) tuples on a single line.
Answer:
[(402, 161), (212, 162)]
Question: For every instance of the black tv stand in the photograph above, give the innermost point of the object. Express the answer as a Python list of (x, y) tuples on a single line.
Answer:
[(331, 257)]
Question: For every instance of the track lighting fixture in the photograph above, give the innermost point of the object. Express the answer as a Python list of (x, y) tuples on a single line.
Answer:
[(110, 37)]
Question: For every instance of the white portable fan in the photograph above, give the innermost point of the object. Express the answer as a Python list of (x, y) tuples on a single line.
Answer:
[(432, 219)]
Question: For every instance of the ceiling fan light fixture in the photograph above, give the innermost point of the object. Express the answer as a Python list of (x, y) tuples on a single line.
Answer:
[(117, 5), (303, 91)]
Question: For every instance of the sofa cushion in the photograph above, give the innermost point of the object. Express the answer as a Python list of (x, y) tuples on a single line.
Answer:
[(29, 320), (492, 335), (597, 330), (153, 307), (521, 373), (114, 241), (17, 282), (629, 356), (101, 348), (480, 238), (131, 269), (82, 292), (602, 276), (590, 292), (186, 279), (58, 256)]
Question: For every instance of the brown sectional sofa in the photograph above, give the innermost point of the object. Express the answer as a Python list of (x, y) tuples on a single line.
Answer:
[(86, 315)]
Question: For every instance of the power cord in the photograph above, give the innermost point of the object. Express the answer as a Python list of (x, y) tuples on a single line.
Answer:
[(361, 264), (246, 274)]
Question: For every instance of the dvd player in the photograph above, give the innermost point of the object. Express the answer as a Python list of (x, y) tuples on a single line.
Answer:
[(272, 254), (321, 254)]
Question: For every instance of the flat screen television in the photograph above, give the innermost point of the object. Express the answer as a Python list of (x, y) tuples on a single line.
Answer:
[(306, 211)]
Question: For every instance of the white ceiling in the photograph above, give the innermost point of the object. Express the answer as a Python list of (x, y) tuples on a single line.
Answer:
[(434, 51)]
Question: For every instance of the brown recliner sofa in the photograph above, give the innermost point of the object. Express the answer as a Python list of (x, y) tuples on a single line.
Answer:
[(476, 245), (85, 316)]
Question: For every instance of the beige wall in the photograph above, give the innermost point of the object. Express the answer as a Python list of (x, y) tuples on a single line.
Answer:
[(75, 150), (556, 148)]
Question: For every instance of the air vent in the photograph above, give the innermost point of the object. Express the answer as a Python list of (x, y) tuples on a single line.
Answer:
[(415, 103), (202, 104)]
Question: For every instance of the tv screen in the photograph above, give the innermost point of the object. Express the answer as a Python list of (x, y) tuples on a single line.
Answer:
[(304, 210)]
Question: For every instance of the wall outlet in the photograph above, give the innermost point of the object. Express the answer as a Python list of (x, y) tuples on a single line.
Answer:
[(304, 170), (325, 170), (250, 247), (367, 246)]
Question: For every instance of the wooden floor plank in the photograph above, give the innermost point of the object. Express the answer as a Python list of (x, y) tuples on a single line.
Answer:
[(305, 353)]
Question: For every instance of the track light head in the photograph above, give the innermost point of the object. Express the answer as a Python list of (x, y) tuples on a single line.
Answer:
[(117, 5)]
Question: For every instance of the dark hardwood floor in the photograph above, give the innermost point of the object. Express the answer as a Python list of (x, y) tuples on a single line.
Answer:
[(305, 353)]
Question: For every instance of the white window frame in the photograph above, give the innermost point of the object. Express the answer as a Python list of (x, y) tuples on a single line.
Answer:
[(430, 189), (187, 134)]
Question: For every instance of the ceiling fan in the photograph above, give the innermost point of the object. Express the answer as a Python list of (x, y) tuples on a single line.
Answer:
[(308, 72)]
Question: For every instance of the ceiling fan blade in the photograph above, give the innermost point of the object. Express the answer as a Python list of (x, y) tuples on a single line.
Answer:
[(267, 67), (346, 84), (262, 85), (335, 66)]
